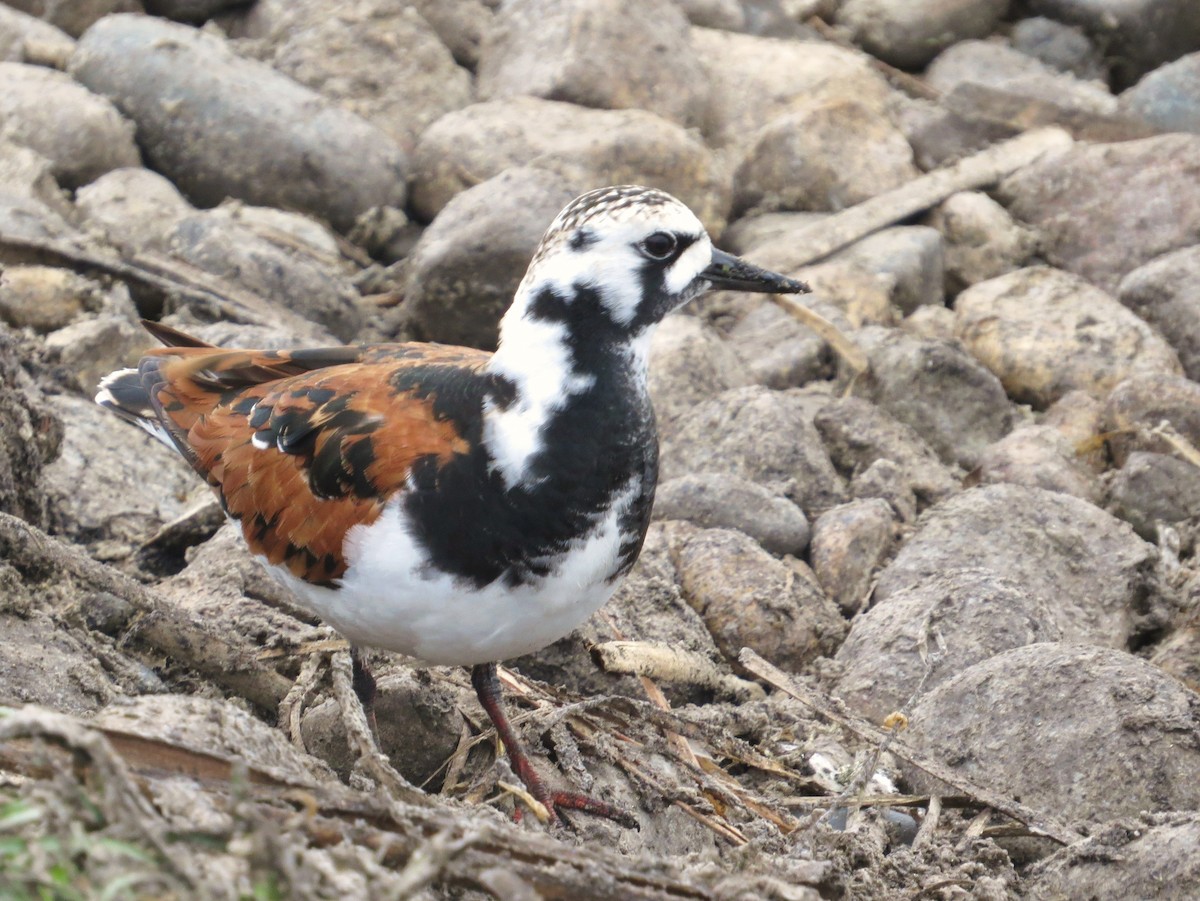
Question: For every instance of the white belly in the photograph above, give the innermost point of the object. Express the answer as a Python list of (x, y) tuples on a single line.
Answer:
[(390, 599)]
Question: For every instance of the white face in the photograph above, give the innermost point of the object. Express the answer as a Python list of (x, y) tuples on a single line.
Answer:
[(642, 259)]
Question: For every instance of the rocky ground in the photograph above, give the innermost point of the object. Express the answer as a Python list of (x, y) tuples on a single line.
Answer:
[(918, 616)]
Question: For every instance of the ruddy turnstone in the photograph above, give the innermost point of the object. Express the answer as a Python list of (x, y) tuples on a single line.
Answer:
[(455, 505)]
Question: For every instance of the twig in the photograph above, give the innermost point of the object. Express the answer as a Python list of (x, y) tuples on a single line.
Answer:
[(854, 355), (1034, 821), (358, 733), (429, 859), (929, 825), (292, 706), (667, 664), (161, 625), (816, 241)]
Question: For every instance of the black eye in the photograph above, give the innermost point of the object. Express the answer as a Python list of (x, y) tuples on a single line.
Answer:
[(659, 246)]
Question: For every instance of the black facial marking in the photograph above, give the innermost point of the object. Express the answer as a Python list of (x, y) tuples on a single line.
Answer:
[(583, 238)]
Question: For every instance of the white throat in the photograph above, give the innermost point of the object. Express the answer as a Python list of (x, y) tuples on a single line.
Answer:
[(534, 356)]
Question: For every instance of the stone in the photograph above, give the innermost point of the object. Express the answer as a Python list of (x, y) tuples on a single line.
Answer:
[(981, 239), (1166, 293), (358, 58), (20, 33), (464, 270), (759, 435), (1092, 569), (235, 127), (1115, 735), (1105, 209), (1045, 332), (193, 11), (850, 543), (1178, 653), (461, 24), (587, 147), (1000, 67), (31, 435), (285, 276), (931, 323), (133, 208), (776, 350), (91, 348), (747, 598), (1138, 35), (43, 298), (1155, 489), (689, 363), (939, 390), (1167, 97), (1040, 456), (714, 501), (912, 255), (1058, 45), (1123, 859), (824, 158), (755, 80), (608, 54), (1140, 404), (857, 434), (113, 482), (81, 134), (919, 638), (75, 16), (909, 33), (885, 480)]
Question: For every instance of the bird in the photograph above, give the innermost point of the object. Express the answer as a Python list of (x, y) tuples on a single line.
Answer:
[(455, 505)]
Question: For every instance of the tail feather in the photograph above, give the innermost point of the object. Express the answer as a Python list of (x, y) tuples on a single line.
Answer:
[(124, 393)]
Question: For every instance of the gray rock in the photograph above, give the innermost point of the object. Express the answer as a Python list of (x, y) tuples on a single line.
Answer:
[(1063, 47), (926, 634), (755, 80), (75, 17), (465, 268), (1040, 456), (81, 133), (31, 435), (999, 66), (956, 405), (43, 298), (461, 24), (1167, 98), (587, 147), (827, 157), (1115, 735), (727, 502), (287, 277), (377, 58), (133, 208), (689, 363), (1166, 293), (1152, 489), (748, 599), (776, 350), (91, 348), (857, 434), (981, 239), (113, 482), (1121, 859), (609, 54), (1045, 332), (933, 323), (886, 480), (760, 435), (849, 544), (909, 33), (1105, 209), (235, 127), (1096, 574), (912, 255), (768, 18), (20, 33), (1139, 35), (1141, 403)]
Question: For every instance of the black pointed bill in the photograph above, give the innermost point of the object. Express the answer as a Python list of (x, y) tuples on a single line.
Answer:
[(729, 273)]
